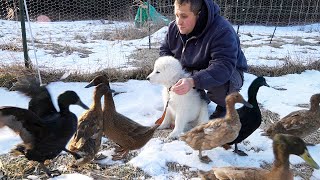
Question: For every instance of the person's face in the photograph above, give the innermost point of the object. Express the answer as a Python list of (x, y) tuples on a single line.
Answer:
[(185, 18)]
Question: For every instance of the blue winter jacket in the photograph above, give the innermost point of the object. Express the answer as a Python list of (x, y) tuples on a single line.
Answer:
[(213, 48)]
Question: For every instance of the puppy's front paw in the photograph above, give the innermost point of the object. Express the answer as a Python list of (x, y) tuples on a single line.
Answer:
[(173, 135)]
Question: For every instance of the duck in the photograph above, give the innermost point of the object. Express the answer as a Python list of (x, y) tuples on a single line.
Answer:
[(125, 132), (43, 139), (40, 99), (87, 140), (250, 118), (283, 146), (216, 132), (299, 123)]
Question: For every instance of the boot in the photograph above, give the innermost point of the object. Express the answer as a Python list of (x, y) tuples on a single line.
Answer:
[(219, 112)]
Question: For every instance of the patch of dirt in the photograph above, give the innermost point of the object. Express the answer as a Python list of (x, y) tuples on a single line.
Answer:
[(144, 57), (268, 117), (58, 50)]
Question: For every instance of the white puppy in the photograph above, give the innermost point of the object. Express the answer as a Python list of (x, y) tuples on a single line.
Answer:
[(184, 111)]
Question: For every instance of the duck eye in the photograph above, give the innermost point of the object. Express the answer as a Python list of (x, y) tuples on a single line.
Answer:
[(157, 72)]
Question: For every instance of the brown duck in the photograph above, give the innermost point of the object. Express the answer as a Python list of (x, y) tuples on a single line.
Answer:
[(283, 146), (299, 123), (87, 139), (216, 132), (126, 133)]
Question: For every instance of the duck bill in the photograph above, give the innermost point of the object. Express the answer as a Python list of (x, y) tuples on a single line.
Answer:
[(89, 85), (309, 160), (266, 84), (247, 104), (80, 103)]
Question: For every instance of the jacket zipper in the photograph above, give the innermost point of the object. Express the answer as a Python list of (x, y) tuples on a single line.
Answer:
[(185, 44)]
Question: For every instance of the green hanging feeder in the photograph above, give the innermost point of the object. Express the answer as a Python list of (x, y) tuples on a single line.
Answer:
[(142, 16)]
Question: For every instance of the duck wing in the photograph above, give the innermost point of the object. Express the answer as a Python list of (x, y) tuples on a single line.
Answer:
[(219, 133), (88, 128), (295, 123), (41, 102), (204, 136), (24, 122), (295, 120)]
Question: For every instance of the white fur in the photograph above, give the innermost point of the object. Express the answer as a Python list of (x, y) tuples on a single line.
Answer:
[(184, 111)]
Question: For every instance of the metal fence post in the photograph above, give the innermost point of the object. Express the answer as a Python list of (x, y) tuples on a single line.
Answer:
[(149, 28), (24, 39)]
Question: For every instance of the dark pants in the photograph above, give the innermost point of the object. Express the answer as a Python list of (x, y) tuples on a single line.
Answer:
[(218, 94)]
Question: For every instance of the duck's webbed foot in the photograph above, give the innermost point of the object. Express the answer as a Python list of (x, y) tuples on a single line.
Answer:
[(82, 161), (53, 173), (118, 149), (74, 154), (240, 153), (204, 159), (120, 155), (100, 157)]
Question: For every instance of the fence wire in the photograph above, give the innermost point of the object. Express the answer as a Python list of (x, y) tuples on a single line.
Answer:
[(110, 20), (263, 12)]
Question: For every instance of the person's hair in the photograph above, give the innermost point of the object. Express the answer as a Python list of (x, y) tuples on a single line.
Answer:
[(195, 5)]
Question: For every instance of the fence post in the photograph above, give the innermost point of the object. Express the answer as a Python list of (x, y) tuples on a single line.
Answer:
[(24, 39), (149, 28)]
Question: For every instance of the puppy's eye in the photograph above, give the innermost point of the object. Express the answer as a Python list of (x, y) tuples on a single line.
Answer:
[(157, 72)]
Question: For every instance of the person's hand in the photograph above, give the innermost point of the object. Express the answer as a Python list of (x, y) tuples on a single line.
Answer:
[(183, 86)]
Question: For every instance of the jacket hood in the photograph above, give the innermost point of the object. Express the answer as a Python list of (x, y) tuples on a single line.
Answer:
[(213, 10), (209, 11)]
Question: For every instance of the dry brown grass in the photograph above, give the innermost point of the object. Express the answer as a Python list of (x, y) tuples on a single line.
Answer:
[(129, 32), (145, 57), (289, 67), (10, 47), (9, 75), (58, 50), (144, 61)]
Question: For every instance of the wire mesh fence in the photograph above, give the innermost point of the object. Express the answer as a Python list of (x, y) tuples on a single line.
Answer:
[(271, 12), (57, 28), (57, 10), (264, 12)]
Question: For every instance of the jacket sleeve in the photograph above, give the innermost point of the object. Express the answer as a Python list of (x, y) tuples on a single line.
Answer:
[(164, 47), (223, 51)]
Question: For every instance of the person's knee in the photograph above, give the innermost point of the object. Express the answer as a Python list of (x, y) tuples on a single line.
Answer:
[(218, 94), (236, 82)]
